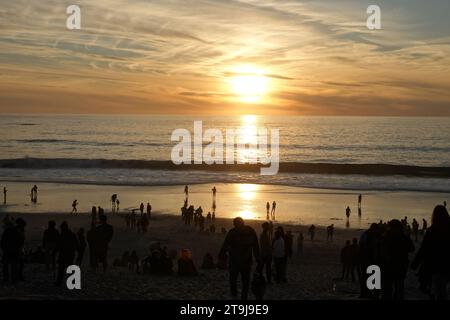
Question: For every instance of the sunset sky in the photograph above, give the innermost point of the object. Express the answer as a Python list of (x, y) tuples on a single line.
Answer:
[(193, 57)]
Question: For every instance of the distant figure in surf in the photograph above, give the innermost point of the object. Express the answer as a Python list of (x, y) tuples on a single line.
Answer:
[(4, 195), (141, 208), (268, 210), (186, 191), (214, 191), (272, 213), (74, 206), (347, 212)]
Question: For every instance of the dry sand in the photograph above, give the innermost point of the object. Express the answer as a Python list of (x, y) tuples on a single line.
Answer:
[(311, 275)]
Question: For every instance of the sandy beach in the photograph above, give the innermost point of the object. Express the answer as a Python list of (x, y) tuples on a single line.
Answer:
[(311, 275)]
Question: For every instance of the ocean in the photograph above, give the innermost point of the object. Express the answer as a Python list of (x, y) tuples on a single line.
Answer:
[(387, 153)]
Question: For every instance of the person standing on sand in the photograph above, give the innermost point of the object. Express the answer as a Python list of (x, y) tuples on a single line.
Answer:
[(81, 246), (434, 253), (424, 226), (359, 201), (74, 206), (300, 243), (266, 251), (214, 191), (241, 242), (312, 232), (113, 202), (94, 215), (330, 232), (415, 229), (141, 208), (279, 256), (268, 210), (117, 206), (4, 195), (34, 193), (11, 243), (49, 243), (272, 213), (186, 191), (149, 210), (103, 235), (66, 248), (90, 237)]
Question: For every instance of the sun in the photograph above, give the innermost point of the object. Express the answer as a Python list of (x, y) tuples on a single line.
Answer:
[(249, 84)]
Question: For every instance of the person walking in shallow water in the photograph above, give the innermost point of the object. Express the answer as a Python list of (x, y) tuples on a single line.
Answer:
[(347, 212)]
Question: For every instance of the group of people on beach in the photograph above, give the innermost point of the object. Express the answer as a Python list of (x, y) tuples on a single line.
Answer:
[(270, 211), (62, 248), (388, 246), (141, 222)]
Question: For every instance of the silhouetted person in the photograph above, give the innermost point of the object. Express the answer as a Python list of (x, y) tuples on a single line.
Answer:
[(445, 204), (354, 260), (208, 262), (369, 254), (266, 251), (279, 256), (49, 244), (186, 266), (91, 240), (268, 210), (312, 232), (113, 202), (103, 235), (415, 229), (434, 253), (272, 212), (81, 246), (66, 248), (359, 201), (347, 212), (94, 215), (300, 243), (186, 191), (241, 242), (214, 191), (424, 226), (395, 247), (4, 195), (346, 260), (289, 244), (141, 208), (330, 232), (208, 216), (74, 206), (11, 243), (117, 206), (34, 193), (149, 210)]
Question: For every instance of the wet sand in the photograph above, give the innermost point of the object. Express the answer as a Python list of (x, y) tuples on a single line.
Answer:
[(295, 205)]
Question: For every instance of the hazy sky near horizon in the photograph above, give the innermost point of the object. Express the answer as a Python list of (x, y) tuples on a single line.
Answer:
[(179, 56)]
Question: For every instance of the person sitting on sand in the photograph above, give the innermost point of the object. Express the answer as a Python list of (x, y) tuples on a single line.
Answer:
[(208, 262), (312, 232), (186, 266)]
